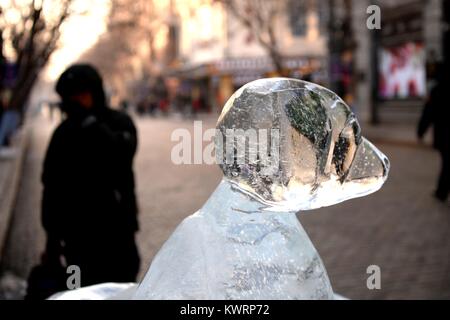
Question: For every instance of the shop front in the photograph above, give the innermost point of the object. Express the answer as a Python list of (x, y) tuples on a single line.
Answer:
[(231, 74), (401, 60), (206, 87)]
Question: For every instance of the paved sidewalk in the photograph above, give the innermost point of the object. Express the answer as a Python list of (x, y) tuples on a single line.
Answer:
[(11, 161), (401, 228), (396, 134)]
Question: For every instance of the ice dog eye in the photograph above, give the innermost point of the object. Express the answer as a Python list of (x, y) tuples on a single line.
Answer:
[(345, 149)]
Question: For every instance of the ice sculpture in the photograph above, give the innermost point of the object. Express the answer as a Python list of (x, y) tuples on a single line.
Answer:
[(246, 241)]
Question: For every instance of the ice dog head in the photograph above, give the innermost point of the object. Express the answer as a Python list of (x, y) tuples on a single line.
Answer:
[(294, 145)]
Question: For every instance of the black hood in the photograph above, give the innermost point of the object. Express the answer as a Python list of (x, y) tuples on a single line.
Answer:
[(80, 78)]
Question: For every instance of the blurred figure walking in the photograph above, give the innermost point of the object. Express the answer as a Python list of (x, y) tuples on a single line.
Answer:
[(89, 209), (436, 113), (9, 121)]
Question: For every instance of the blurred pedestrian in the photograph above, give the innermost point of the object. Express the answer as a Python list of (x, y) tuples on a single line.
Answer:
[(436, 113), (9, 122), (141, 107), (89, 209)]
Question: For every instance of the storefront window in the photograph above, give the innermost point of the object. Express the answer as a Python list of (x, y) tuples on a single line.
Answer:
[(321, 8), (297, 17), (402, 71)]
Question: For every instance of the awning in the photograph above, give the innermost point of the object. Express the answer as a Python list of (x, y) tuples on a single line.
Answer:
[(244, 69)]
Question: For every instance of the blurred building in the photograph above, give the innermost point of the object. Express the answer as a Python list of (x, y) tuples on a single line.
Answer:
[(215, 53), (384, 75)]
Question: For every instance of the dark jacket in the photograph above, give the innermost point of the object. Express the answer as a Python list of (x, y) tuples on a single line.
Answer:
[(89, 201), (436, 113)]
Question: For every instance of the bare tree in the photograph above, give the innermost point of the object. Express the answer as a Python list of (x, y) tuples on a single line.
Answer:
[(139, 19), (32, 37), (147, 20), (260, 17), (132, 25)]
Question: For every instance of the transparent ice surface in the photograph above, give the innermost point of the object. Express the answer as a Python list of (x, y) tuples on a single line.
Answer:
[(246, 241)]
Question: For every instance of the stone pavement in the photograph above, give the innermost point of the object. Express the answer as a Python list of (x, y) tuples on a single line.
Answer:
[(400, 228), (26, 237), (11, 161)]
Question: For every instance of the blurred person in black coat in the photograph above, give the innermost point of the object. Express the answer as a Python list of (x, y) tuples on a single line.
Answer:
[(436, 113), (89, 209)]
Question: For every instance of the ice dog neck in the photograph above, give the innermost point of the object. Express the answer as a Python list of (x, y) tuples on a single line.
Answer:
[(231, 205)]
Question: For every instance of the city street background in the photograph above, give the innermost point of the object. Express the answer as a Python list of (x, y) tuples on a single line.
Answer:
[(401, 228), (168, 62)]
